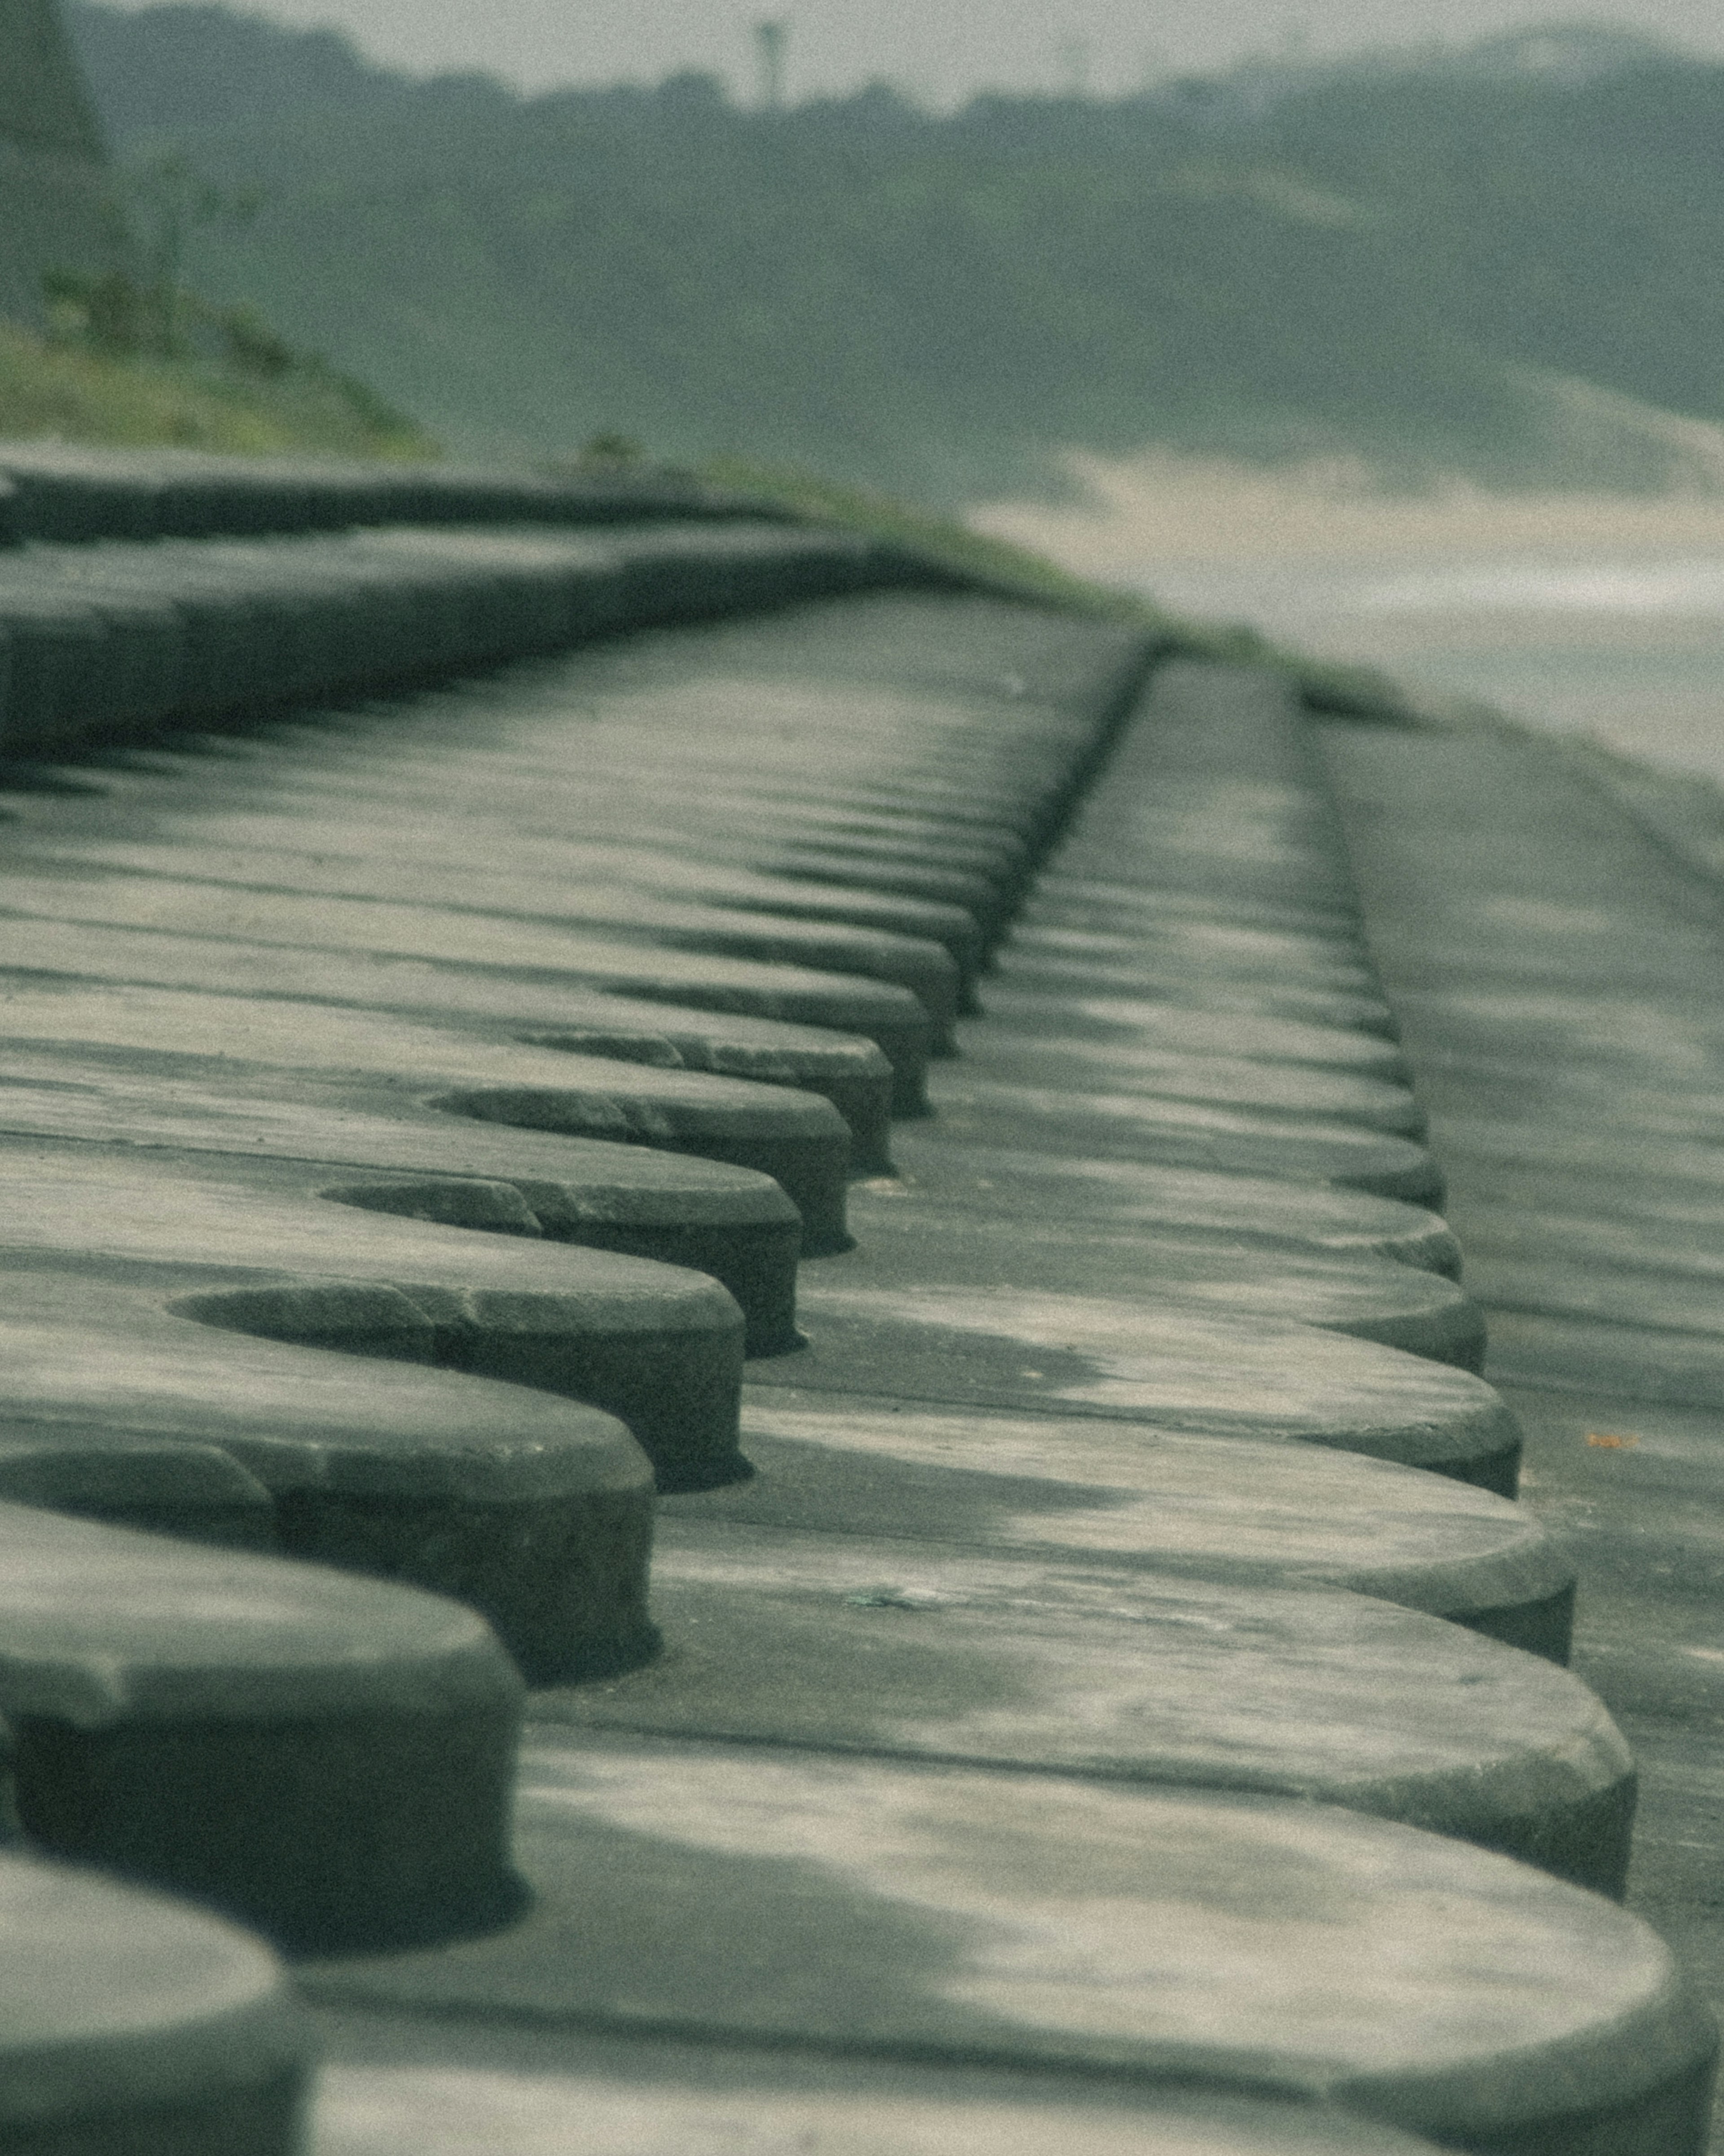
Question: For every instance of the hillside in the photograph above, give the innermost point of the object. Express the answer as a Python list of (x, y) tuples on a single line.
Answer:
[(81, 395), (1491, 268)]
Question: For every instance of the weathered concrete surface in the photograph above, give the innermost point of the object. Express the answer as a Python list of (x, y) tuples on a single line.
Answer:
[(535, 1510), (1055, 1666), (409, 2088), (1172, 1362), (46, 919), (1557, 971), (991, 1183), (1054, 1922), (1176, 1132), (659, 1346), (1214, 1507), (1370, 1297), (730, 1222)]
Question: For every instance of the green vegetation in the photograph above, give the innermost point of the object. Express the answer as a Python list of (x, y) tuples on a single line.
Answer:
[(1419, 265), (75, 389)]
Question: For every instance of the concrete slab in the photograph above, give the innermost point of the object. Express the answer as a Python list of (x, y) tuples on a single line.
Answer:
[(660, 1347), (550, 945), (1050, 977), (413, 2088), (1186, 1134), (1084, 1025), (995, 1055), (1149, 1362), (993, 1182), (364, 851), (1338, 964), (65, 1033), (1372, 1298), (1131, 892), (325, 1757), (134, 2018), (1058, 1668), (1145, 1934), (1230, 1509)]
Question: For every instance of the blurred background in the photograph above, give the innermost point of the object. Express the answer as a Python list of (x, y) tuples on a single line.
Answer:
[(1396, 330)]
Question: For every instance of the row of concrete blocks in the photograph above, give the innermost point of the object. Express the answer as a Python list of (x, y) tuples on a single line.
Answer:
[(1110, 1500), (54, 490), (111, 641)]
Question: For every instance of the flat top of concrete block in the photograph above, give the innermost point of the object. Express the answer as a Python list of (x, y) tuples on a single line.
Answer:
[(733, 1044), (1216, 947), (1050, 1664), (854, 1002), (179, 1224), (166, 1113), (1180, 1133), (390, 1053), (469, 861), (592, 904), (936, 1172), (1051, 976), (1146, 1361), (119, 2000), (1242, 1942), (1089, 1026), (91, 1364), (1222, 1079), (1219, 1508), (1372, 1297), (434, 2109), (103, 1626)]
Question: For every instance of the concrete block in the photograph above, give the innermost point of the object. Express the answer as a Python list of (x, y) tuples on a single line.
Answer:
[(1240, 1510), (944, 1914), (328, 1758), (1370, 1297), (992, 1182), (134, 2022), (1183, 1134), (1056, 1667), (534, 1509), (530, 956)]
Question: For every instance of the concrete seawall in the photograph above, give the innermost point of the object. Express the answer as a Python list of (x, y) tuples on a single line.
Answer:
[(737, 1411)]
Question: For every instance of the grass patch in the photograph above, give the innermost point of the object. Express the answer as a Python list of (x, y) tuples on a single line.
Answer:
[(71, 393)]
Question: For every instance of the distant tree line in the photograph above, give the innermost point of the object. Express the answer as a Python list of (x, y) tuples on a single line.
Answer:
[(1391, 261)]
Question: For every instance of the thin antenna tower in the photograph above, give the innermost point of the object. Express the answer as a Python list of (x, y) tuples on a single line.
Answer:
[(770, 40)]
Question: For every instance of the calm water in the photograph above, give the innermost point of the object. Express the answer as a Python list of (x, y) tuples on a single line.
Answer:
[(1627, 647)]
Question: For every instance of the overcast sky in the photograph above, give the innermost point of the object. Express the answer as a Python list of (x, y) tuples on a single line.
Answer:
[(937, 50)]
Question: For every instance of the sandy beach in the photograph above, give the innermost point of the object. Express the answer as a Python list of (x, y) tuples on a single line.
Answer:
[(1601, 614)]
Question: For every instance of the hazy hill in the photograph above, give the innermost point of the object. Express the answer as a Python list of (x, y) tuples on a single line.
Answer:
[(1490, 263)]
